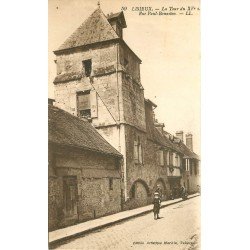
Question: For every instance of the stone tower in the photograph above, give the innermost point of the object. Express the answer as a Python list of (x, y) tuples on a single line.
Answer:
[(98, 78)]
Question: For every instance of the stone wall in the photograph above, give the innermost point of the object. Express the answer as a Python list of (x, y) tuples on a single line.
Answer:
[(115, 89), (191, 179), (103, 56), (133, 103), (96, 200), (194, 179), (98, 185), (102, 83), (55, 202), (144, 176), (133, 64)]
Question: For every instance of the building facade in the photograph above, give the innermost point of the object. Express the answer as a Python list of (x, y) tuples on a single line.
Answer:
[(84, 172), (191, 169), (98, 78)]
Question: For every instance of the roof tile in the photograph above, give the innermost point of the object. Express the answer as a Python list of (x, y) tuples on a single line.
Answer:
[(66, 129), (94, 29)]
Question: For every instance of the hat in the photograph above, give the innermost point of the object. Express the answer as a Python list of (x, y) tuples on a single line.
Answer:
[(156, 194)]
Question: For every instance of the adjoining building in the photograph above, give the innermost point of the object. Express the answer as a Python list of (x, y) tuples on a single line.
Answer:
[(191, 168), (98, 79), (84, 171)]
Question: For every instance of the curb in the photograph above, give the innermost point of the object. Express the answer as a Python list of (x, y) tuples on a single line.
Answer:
[(54, 243)]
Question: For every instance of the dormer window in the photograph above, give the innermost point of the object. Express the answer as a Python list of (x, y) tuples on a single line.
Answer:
[(87, 67)]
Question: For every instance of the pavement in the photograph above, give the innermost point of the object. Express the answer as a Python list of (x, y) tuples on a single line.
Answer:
[(81, 229)]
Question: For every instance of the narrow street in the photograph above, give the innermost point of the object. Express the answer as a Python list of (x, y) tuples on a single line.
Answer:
[(178, 228)]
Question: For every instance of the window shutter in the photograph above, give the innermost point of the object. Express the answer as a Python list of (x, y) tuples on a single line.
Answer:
[(94, 106), (161, 157), (140, 153), (135, 151), (83, 102)]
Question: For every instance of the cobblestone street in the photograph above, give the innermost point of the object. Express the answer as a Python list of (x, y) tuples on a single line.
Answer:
[(178, 228)]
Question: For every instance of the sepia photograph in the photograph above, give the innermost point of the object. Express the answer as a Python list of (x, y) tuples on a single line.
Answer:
[(125, 125), (124, 162)]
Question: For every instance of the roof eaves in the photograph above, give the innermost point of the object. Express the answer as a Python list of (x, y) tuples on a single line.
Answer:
[(150, 102), (118, 155), (61, 51)]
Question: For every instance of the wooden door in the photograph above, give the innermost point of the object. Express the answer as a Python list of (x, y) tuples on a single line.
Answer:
[(70, 195)]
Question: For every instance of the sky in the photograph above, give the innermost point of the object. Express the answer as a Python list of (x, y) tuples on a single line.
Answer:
[(169, 47)]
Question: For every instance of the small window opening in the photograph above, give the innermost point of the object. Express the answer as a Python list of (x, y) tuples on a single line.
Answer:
[(110, 184), (125, 62), (87, 64)]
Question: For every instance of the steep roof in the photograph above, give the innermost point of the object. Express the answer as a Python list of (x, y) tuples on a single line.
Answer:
[(187, 152), (180, 147), (66, 129), (163, 138), (94, 29)]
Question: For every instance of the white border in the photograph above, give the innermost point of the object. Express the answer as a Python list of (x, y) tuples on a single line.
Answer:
[(225, 124)]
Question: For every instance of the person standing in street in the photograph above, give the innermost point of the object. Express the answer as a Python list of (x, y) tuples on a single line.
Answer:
[(157, 202)]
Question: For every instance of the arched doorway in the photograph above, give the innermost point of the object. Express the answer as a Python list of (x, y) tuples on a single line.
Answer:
[(139, 193)]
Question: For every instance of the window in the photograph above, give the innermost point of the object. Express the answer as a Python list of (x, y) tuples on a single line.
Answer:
[(125, 63), (161, 158), (176, 160), (187, 164), (110, 184), (136, 158), (83, 104), (170, 158), (87, 64), (138, 151), (191, 169), (133, 191)]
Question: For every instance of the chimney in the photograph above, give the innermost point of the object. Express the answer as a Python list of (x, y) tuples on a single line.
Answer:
[(118, 22), (189, 141), (179, 134)]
